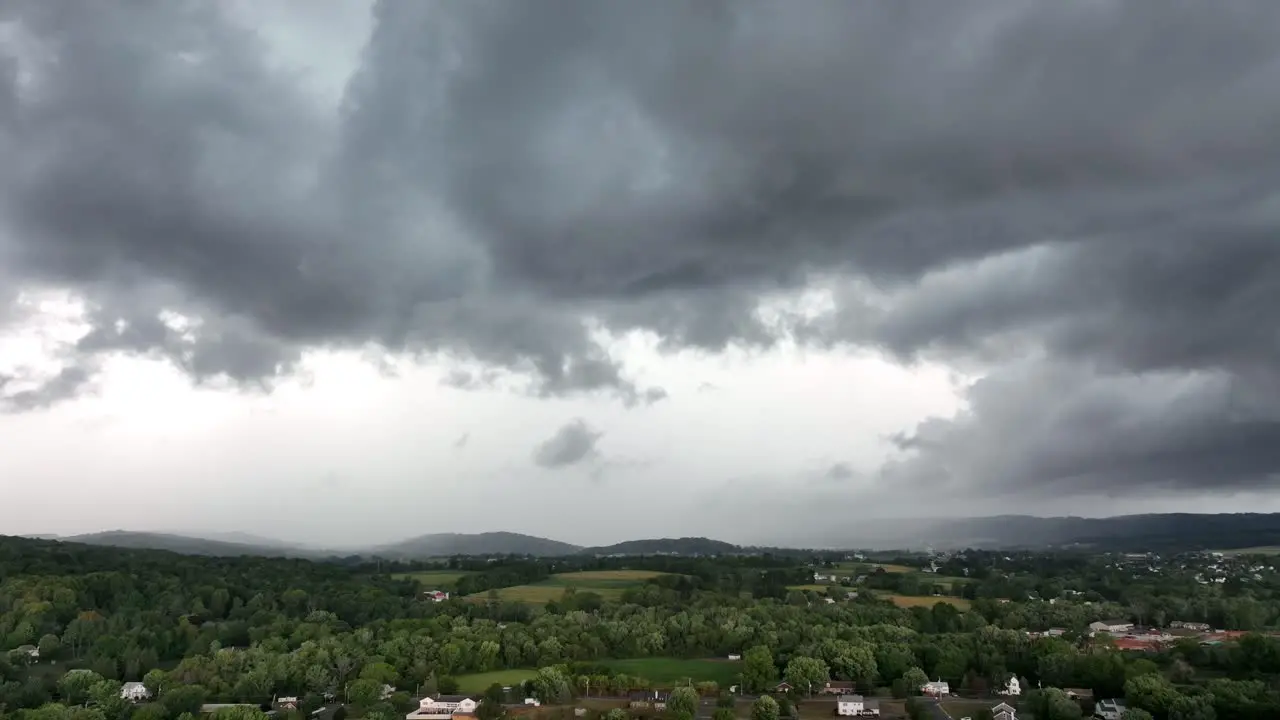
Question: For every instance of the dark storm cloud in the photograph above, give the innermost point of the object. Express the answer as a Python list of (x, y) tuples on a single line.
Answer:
[(1069, 195), (572, 444)]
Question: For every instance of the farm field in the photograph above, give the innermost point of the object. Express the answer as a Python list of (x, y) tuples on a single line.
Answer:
[(667, 671), (609, 584), (479, 682), (434, 578), (813, 588), (926, 601)]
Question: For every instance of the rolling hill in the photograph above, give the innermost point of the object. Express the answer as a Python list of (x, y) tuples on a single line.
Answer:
[(185, 544), (490, 543), (667, 546)]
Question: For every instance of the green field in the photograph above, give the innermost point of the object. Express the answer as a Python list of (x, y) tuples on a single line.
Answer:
[(434, 578), (1263, 550), (541, 594), (668, 671), (810, 588), (925, 601), (479, 682), (609, 584)]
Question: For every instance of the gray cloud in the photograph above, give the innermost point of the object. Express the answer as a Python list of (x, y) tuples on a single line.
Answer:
[(1063, 197), (572, 444), (840, 471)]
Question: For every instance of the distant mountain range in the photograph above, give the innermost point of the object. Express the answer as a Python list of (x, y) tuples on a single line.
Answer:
[(1128, 533)]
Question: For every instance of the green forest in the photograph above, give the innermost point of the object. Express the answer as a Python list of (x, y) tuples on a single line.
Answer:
[(356, 639)]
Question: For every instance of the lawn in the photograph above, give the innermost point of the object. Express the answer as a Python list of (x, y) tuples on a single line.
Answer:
[(476, 683), (668, 671), (434, 578), (926, 601), (958, 708), (809, 588)]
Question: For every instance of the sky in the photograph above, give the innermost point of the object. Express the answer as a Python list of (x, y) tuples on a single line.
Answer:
[(349, 272)]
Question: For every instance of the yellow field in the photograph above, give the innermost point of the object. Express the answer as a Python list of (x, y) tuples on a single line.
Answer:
[(927, 601), (589, 576)]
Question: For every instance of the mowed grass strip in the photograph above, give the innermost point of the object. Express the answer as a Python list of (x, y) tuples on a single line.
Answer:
[(668, 671), (476, 683)]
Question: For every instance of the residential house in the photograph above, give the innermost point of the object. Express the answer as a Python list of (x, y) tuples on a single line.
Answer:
[(1079, 694), (532, 702), (289, 702), (1197, 626), (135, 692), (837, 687), (1109, 709), (656, 699), (857, 706), (1012, 688), (936, 688), (435, 595), (31, 652), (442, 707), (1004, 711), (783, 687), (1111, 626)]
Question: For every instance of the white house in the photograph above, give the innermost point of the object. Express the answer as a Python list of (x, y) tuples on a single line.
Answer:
[(1109, 709), (534, 702), (1111, 626), (1012, 688), (1004, 711), (857, 706), (134, 692), (735, 656), (31, 651), (936, 688), (442, 707)]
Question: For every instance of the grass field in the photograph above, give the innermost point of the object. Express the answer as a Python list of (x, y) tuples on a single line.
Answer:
[(813, 588), (926, 601), (479, 682), (434, 578), (667, 671), (589, 577), (1263, 550), (609, 584)]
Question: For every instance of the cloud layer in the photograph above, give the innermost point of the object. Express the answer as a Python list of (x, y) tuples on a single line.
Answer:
[(1077, 201)]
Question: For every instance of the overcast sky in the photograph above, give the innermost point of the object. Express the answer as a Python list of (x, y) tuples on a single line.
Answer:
[(347, 272)]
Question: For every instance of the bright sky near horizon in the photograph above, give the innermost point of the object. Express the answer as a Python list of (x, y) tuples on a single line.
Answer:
[(348, 272)]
